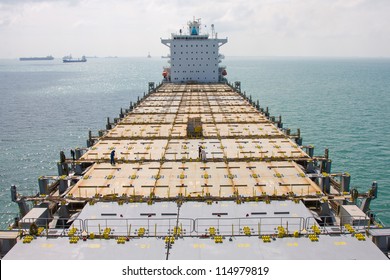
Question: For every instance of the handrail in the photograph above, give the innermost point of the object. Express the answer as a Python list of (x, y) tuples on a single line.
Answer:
[(45, 222), (199, 226), (125, 226), (374, 213), (362, 223), (260, 225)]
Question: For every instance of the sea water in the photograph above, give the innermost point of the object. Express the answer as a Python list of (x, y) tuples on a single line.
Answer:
[(340, 104)]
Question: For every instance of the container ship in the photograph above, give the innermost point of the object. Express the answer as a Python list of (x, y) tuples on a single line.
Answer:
[(196, 169), (36, 58), (70, 59)]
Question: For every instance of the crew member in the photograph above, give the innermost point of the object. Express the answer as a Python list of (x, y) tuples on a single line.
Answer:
[(112, 156), (72, 154)]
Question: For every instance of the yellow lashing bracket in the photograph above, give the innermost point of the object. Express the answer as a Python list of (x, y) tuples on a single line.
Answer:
[(28, 239), (169, 239), (141, 232), (360, 236), (74, 239), (313, 237), (218, 239), (247, 230), (266, 238)]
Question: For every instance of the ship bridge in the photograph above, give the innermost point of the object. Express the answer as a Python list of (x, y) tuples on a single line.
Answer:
[(194, 57)]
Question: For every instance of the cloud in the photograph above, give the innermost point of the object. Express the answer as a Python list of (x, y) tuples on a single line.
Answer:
[(254, 27)]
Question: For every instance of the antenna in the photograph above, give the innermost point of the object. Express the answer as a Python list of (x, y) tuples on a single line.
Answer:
[(212, 31)]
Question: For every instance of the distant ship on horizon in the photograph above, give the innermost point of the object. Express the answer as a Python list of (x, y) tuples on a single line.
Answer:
[(149, 56), (49, 57), (69, 58)]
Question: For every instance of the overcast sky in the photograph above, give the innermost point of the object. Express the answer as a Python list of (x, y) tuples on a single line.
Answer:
[(254, 27)]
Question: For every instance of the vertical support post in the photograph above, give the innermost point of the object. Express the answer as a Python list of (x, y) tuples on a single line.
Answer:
[(326, 155), (108, 125), (151, 87), (345, 182)]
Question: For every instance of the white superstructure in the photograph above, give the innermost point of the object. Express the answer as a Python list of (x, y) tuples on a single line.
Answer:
[(194, 57)]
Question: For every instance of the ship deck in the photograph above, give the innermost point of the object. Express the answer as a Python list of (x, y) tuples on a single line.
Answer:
[(194, 241), (246, 154), (245, 200)]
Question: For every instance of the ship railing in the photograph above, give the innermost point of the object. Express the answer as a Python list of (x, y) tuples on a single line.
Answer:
[(53, 226), (139, 227), (258, 226), (376, 214), (339, 224)]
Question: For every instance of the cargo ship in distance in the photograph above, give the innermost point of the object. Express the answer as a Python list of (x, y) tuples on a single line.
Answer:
[(70, 59), (49, 57), (196, 169)]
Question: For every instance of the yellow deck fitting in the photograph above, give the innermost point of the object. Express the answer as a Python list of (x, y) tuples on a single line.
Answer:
[(121, 240), (177, 230), (266, 238), (74, 239), (169, 239), (106, 233), (91, 235), (296, 234), (28, 239), (247, 230), (141, 231), (349, 228), (40, 230), (281, 232), (218, 239), (360, 236), (313, 237), (72, 232), (316, 229), (212, 231)]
